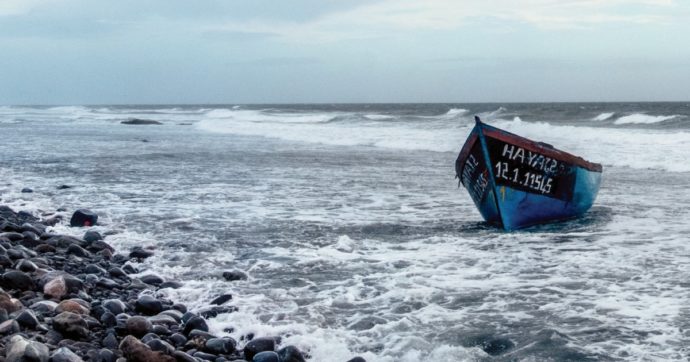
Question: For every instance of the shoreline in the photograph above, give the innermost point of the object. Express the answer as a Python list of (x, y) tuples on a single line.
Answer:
[(64, 298)]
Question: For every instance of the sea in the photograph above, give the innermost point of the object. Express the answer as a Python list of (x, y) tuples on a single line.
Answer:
[(354, 234)]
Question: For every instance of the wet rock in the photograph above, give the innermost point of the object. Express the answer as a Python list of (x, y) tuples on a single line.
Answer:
[(195, 322), (27, 190), (200, 335), (258, 345), (222, 299), (171, 285), (94, 269), (161, 330), (151, 279), (176, 314), (15, 279), (31, 240), (64, 354), (19, 349), (53, 220), (178, 340), (74, 306), (160, 346), (140, 122), (45, 248), (116, 272), (12, 236), (163, 319), (91, 236), (179, 307), (496, 346), (214, 311), (129, 269), (367, 323), (83, 217), (78, 251), (138, 325), (232, 275), (105, 355), (27, 319), (8, 303), (140, 253), (26, 266), (63, 241), (57, 284), (183, 357), (9, 327), (108, 319), (136, 351), (110, 341), (115, 306), (224, 345), (101, 247), (5, 261), (107, 283), (204, 356), (71, 324), (266, 356), (357, 359), (56, 288), (290, 354), (148, 305), (44, 306)]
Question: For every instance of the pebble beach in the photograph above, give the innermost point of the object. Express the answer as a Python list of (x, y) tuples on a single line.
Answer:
[(67, 298)]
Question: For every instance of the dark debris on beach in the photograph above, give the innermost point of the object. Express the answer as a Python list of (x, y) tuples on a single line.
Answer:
[(67, 299)]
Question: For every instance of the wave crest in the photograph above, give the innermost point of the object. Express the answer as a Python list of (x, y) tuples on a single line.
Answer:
[(603, 116), (641, 118)]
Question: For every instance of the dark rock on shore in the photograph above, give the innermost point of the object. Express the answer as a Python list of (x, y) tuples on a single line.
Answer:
[(136, 351), (64, 354), (138, 121), (258, 345), (290, 354), (221, 299), (232, 275), (140, 253), (83, 217), (71, 324)]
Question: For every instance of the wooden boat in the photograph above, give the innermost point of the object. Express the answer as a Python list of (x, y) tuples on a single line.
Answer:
[(516, 182)]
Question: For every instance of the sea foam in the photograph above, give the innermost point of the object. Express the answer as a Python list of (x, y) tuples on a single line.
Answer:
[(611, 146)]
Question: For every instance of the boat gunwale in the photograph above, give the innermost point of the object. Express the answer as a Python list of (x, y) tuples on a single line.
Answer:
[(538, 147)]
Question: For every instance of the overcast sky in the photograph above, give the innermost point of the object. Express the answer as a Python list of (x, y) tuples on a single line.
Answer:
[(285, 51)]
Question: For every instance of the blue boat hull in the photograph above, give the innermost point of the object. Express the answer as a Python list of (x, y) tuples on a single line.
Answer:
[(516, 182)]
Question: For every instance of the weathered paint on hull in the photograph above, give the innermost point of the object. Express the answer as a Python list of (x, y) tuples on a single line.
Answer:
[(516, 182)]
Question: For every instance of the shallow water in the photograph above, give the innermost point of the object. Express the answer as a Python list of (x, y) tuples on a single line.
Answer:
[(353, 231)]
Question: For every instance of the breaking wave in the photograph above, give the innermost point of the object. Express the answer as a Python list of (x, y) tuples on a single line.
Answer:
[(603, 116), (611, 146), (641, 118)]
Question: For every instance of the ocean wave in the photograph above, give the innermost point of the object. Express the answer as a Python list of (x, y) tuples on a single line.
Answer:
[(603, 116), (378, 117), (453, 112), (641, 118), (610, 146), (269, 117)]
